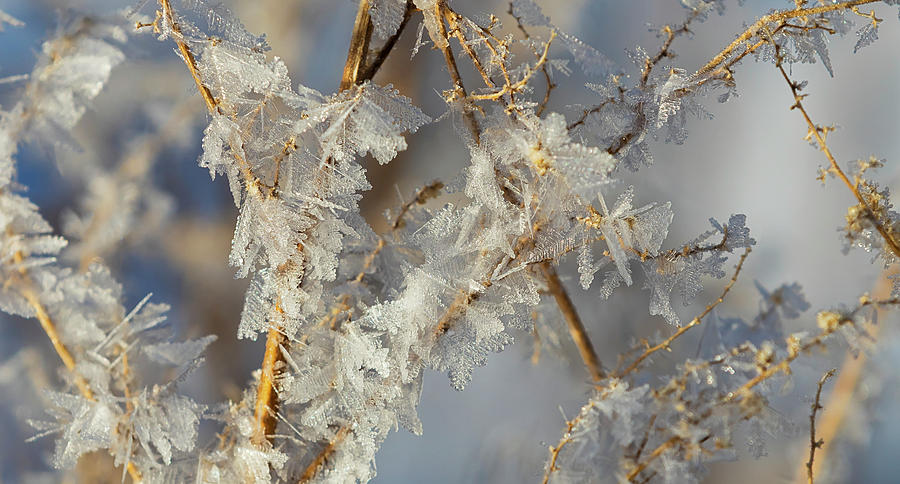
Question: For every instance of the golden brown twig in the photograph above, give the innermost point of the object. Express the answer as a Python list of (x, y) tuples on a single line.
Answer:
[(765, 20), (359, 47), (266, 397), (50, 330)]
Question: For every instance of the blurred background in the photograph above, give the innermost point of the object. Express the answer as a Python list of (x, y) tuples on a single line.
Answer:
[(751, 158)]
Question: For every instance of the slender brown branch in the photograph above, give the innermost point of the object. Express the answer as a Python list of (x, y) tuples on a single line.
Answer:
[(813, 443), (266, 399), (453, 19), (266, 395), (188, 57), (212, 104), (576, 328), (52, 333), (359, 47), (423, 195), (388, 46), (841, 398), (658, 451), (664, 50), (50, 330), (817, 132), (694, 322), (567, 437), (550, 84), (266, 408)]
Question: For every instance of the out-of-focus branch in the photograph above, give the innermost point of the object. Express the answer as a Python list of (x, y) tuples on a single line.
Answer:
[(573, 321), (65, 355)]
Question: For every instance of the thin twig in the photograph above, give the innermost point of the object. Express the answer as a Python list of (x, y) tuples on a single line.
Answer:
[(450, 60), (694, 322), (841, 398), (816, 132), (550, 84), (52, 333), (188, 57), (813, 443), (266, 397)]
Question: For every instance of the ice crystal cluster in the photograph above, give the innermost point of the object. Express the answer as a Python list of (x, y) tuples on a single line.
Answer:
[(353, 318)]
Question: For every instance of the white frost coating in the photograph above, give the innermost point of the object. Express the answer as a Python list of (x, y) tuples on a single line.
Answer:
[(431, 22), (386, 16)]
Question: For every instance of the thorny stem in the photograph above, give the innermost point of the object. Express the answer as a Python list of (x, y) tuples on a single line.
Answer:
[(576, 328), (694, 322), (818, 133), (841, 397), (813, 443)]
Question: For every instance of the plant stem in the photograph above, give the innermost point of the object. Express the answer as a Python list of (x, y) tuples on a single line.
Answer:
[(576, 328), (68, 361), (266, 397), (359, 47), (388, 46)]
